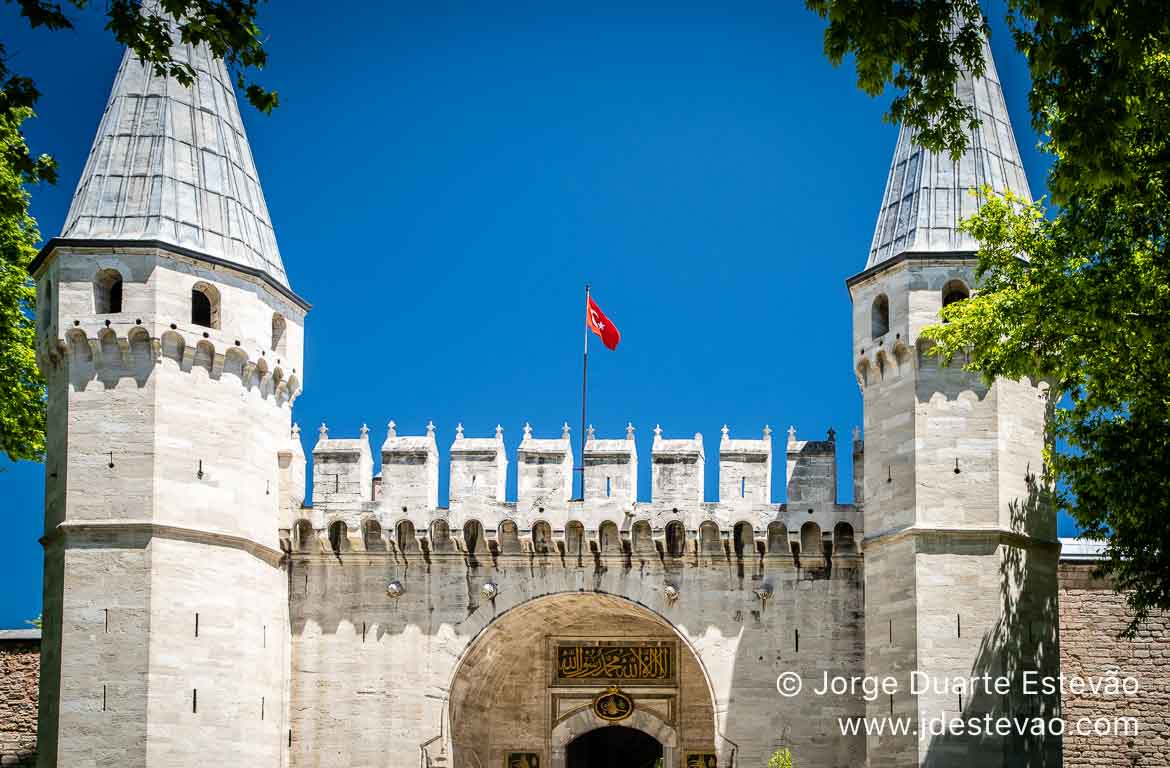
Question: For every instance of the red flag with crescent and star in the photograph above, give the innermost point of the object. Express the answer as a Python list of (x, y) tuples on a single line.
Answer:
[(600, 325)]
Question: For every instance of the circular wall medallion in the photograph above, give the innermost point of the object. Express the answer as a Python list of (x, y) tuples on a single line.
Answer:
[(613, 705)]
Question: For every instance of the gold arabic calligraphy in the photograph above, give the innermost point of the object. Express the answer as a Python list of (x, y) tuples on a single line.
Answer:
[(615, 662)]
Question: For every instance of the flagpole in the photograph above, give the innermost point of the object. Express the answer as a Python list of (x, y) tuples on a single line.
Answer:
[(584, 381)]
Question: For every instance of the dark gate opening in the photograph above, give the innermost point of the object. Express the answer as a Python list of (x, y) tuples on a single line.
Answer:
[(614, 746)]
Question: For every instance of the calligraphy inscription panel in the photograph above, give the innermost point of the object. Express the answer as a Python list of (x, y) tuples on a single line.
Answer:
[(590, 663)]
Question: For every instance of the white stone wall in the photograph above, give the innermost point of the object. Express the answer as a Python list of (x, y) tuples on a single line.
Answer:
[(374, 677), (165, 496), (960, 549)]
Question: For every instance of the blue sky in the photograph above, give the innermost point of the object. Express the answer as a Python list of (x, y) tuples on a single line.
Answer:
[(445, 177)]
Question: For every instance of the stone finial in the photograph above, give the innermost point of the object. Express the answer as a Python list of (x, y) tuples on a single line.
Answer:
[(323, 431), (856, 434), (393, 429), (459, 431), (363, 431), (699, 438), (499, 433), (629, 430), (296, 431), (726, 435), (589, 433), (430, 429), (565, 431), (657, 433), (832, 435), (527, 430), (792, 434), (767, 432)]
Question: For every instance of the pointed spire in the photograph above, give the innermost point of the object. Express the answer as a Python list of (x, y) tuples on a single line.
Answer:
[(173, 164), (499, 433), (589, 433), (629, 430), (726, 435), (791, 434), (527, 431), (928, 194), (459, 431), (565, 431), (393, 429), (430, 429)]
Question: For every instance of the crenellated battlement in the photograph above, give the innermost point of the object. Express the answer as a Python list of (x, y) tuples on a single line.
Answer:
[(398, 510), (108, 352)]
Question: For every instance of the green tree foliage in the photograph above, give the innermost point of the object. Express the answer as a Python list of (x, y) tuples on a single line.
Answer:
[(22, 409), (1087, 308), (229, 29)]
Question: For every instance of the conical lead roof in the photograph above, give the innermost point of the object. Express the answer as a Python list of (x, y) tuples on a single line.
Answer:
[(928, 194), (173, 163)]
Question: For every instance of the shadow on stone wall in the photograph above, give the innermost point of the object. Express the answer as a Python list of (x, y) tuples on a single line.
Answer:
[(1024, 639)]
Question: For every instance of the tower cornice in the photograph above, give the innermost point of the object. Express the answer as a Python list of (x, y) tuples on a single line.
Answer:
[(941, 258), (126, 244)]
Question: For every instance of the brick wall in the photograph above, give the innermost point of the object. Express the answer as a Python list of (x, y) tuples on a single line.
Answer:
[(20, 666), (1092, 616)]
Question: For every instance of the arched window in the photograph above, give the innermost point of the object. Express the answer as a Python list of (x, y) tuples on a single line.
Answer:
[(278, 328), (407, 542), (610, 539), (303, 536), (473, 536), (744, 539), (338, 536), (843, 543), (955, 290), (205, 305), (441, 536), (575, 538), (709, 540), (107, 292), (676, 539), (642, 537), (542, 537), (810, 544), (879, 317), (509, 538), (778, 539), (372, 535)]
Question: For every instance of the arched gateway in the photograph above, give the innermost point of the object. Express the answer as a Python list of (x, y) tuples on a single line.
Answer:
[(579, 680)]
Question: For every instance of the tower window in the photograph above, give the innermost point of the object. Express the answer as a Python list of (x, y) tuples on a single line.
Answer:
[(880, 316), (107, 292), (47, 306), (955, 290), (204, 305), (676, 539), (278, 328)]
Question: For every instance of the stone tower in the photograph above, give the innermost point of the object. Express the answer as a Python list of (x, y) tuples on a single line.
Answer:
[(960, 545), (171, 343)]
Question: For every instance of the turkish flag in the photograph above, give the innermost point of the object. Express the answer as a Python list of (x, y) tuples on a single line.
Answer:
[(600, 324)]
